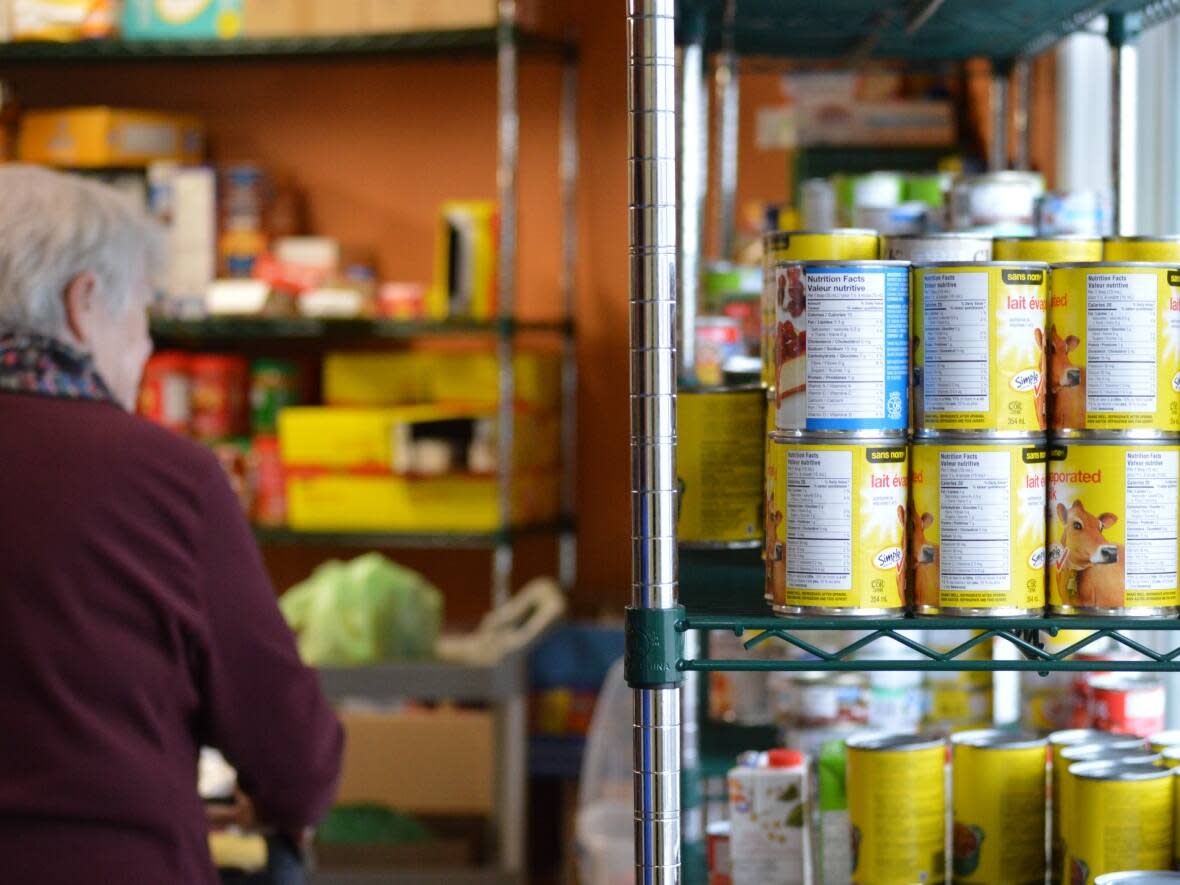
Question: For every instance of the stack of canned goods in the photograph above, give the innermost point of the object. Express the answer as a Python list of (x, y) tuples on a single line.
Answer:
[(1049, 377), (1113, 362)]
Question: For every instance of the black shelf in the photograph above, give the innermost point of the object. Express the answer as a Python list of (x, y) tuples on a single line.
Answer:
[(234, 328), (476, 41), (282, 537)]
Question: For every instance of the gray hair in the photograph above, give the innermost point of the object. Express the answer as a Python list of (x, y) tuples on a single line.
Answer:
[(54, 227)]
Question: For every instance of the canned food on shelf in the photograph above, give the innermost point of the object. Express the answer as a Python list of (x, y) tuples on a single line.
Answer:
[(165, 393), (977, 527), (274, 385), (839, 524), (1071, 746), (1117, 817), (803, 245), (717, 853), (1114, 348), (1127, 703), (1113, 520), (719, 469), (1079, 212), (841, 347), (1139, 877), (827, 700), (769, 819), (998, 807), (1149, 248), (718, 338), (978, 344), (1052, 249), (1162, 740), (1001, 202), (937, 247), (219, 406), (897, 808)]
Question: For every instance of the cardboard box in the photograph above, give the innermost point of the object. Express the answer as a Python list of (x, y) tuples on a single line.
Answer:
[(410, 440), (386, 379), (56, 20), (465, 261), (437, 762), (441, 15), (328, 502), (182, 19), (97, 137)]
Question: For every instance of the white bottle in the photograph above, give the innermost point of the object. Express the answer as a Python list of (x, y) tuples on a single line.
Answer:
[(769, 811)]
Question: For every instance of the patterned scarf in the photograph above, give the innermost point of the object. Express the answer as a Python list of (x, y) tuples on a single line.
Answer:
[(44, 366)]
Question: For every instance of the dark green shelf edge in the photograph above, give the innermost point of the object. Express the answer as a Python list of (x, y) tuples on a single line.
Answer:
[(410, 43), (307, 329), (706, 621), (409, 540)]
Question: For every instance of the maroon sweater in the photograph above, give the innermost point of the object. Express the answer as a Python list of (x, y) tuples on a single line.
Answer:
[(136, 623)]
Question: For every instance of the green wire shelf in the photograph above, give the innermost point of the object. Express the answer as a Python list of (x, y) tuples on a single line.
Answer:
[(333, 330)]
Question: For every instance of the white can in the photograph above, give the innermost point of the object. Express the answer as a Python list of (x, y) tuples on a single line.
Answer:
[(937, 247), (817, 197), (907, 218), (1001, 202)]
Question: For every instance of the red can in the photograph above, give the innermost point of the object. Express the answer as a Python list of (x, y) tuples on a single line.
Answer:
[(219, 402), (270, 493), (164, 395), (717, 853), (1127, 704)]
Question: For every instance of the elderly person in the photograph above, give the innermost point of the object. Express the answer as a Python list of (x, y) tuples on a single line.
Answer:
[(136, 620)]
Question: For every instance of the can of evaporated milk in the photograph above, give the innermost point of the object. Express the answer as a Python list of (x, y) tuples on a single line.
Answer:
[(1120, 818), (1164, 740), (997, 808), (842, 347), (979, 348), (1142, 249), (1127, 703), (1078, 745), (1139, 877), (719, 466), (803, 245), (1054, 250), (1113, 518), (772, 548), (840, 525), (1114, 348), (977, 527), (937, 247), (897, 808)]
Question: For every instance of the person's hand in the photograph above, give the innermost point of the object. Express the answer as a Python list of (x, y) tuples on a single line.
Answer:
[(239, 813)]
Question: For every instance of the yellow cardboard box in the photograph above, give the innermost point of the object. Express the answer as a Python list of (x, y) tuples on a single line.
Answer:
[(383, 439), (98, 137), (419, 762), (385, 379), (350, 502), (465, 259)]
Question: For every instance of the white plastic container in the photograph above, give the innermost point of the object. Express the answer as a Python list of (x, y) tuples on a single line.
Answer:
[(769, 819)]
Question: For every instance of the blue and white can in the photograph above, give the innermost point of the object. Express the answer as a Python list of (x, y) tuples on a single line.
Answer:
[(842, 347)]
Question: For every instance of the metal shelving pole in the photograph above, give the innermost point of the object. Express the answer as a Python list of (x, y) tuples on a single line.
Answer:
[(728, 99), (508, 161), (693, 152), (567, 559), (653, 612), (1121, 32)]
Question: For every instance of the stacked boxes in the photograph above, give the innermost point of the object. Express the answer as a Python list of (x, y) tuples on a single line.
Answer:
[(408, 442)]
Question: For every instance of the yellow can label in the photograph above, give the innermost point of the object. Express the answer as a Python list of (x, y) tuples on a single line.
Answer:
[(833, 245), (897, 810), (772, 551), (1141, 249), (977, 525), (719, 465), (979, 348), (1116, 825), (840, 524), (998, 809), (1113, 526), (1051, 249), (1114, 348)]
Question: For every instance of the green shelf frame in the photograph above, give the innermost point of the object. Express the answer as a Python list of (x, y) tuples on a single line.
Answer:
[(283, 537), (917, 32), (446, 43)]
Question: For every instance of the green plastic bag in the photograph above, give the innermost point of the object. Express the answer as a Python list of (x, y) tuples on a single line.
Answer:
[(363, 611)]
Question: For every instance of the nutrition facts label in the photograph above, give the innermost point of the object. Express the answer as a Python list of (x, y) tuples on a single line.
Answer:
[(1151, 519), (975, 505), (819, 520), (845, 345), (955, 336), (1120, 342)]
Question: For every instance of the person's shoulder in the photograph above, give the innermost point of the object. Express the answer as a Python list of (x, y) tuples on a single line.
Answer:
[(151, 443)]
